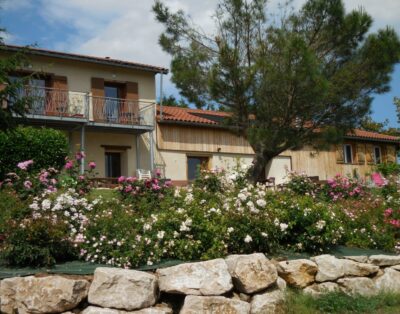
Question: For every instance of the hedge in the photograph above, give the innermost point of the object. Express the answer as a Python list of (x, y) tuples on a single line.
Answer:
[(46, 147)]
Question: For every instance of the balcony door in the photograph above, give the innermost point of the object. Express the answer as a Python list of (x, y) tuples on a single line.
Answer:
[(195, 164), (112, 95), (113, 164)]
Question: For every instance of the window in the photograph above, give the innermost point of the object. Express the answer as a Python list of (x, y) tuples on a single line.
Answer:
[(113, 164), (112, 94), (348, 154), (194, 165), (377, 155)]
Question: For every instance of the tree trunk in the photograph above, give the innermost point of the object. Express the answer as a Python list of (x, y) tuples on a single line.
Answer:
[(257, 171)]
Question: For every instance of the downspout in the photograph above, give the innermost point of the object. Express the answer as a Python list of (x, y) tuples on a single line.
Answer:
[(83, 148), (161, 95)]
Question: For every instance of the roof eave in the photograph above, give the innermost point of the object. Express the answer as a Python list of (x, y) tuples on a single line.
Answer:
[(64, 55)]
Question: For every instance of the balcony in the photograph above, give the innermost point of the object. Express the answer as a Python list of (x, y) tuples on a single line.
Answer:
[(62, 105)]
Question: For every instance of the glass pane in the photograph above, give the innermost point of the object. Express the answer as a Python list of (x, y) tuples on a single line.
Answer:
[(113, 165), (377, 155), (111, 91), (195, 164), (111, 106), (349, 157)]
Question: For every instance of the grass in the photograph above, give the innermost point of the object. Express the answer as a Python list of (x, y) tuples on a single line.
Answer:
[(106, 194), (338, 302)]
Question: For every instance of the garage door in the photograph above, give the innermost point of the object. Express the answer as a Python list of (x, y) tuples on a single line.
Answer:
[(278, 169)]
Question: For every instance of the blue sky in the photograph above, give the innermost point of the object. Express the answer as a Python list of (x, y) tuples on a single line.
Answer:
[(126, 29)]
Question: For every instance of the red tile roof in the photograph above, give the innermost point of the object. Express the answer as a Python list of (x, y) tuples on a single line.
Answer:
[(209, 117), (87, 58)]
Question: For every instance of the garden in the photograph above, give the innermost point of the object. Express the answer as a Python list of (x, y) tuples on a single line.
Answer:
[(53, 214)]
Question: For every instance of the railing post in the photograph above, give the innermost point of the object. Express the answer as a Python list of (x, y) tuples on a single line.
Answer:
[(151, 151)]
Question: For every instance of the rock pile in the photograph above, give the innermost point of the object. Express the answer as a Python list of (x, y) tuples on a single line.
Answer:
[(248, 284)]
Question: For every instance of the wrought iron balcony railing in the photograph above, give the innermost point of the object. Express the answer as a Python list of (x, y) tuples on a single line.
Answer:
[(76, 105)]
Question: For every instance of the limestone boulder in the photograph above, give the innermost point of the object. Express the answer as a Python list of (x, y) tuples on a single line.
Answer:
[(8, 294), (396, 267), (389, 281), (357, 285), (52, 294), (298, 273), (150, 310), (359, 259), (269, 302), (385, 260), (251, 273), (123, 289), (203, 278), (214, 305), (331, 268), (281, 284), (318, 289)]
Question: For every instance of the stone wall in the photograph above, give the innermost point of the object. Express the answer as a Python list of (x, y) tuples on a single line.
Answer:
[(238, 284)]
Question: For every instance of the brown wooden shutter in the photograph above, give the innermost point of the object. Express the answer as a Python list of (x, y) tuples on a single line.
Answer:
[(57, 95), (370, 154), (98, 99), (391, 153), (360, 153), (130, 107), (339, 154)]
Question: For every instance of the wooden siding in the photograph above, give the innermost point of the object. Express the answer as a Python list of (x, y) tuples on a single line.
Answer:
[(198, 139)]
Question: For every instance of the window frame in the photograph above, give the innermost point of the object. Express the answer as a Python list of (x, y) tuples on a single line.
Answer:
[(345, 157), (206, 158), (380, 154)]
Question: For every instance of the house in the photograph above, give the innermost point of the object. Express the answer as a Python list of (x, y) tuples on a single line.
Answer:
[(188, 138), (105, 106)]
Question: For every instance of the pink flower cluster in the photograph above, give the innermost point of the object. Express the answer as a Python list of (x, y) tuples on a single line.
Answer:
[(23, 165), (131, 186), (392, 217), (342, 187)]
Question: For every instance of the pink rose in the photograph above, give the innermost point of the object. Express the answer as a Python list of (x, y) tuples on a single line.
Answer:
[(25, 164), (69, 165), (121, 179), (28, 184), (92, 165)]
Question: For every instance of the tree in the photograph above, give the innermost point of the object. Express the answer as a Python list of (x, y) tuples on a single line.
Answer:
[(368, 124), (12, 103), (288, 83), (172, 101)]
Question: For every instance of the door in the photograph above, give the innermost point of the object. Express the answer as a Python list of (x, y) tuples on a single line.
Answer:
[(113, 164), (111, 107), (278, 168), (194, 165)]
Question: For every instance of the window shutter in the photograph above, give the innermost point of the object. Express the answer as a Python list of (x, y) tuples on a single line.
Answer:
[(130, 108), (339, 154), (390, 153), (98, 98), (59, 82), (57, 96), (360, 153), (370, 154)]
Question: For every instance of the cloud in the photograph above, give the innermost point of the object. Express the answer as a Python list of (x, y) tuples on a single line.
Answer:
[(128, 30), (13, 5)]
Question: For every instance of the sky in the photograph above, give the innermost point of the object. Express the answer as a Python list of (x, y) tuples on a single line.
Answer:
[(127, 30)]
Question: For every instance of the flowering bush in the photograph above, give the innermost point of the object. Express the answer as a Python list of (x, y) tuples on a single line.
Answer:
[(300, 184), (25, 183), (140, 192), (343, 187), (72, 177)]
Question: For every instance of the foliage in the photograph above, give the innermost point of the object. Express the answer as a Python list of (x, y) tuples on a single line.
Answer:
[(17, 105), (144, 192), (301, 184), (36, 242), (72, 178), (283, 83), (297, 302), (47, 148), (341, 187), (11, 207), (388, 169), (172, 101)]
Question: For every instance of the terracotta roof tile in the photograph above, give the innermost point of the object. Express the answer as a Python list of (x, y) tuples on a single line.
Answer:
[(209, 117)]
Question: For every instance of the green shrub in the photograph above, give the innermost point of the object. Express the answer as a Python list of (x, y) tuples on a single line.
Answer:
[(388, 169), (11, 207), (36, 242), (46, 147)]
